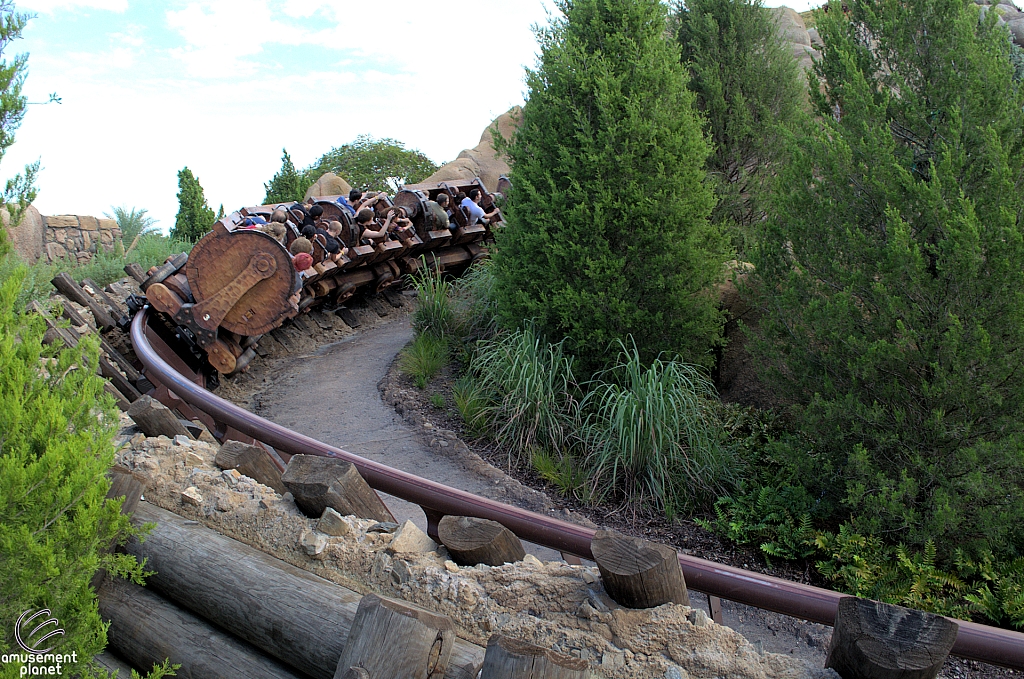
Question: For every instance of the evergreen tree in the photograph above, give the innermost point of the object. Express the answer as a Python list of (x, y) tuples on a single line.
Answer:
[(288, 185), (892, 277), (19, 190), (195, 218), (607, 223), (748, 86)]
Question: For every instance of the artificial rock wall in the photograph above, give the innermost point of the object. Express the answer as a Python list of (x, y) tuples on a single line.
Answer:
[(56, 237)]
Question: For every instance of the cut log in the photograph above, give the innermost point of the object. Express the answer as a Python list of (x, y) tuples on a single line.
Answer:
[(252, 461), (872, 640), (472, 541), (319, 482), (287, 612), (396, 640), (69, 312), (124, 483), (67, 286), (135, 271), (514, 659), (638, 573), (90, 288), (155, 419), (110, 371), (110, 662), (145, 629), (122, 403)]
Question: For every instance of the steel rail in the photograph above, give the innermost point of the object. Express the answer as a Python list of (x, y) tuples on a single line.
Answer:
[(974, 641)]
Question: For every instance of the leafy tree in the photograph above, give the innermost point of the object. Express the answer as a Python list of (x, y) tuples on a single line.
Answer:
[(891, 276), (607, 224), (195, 218), (288, 185), (375, 164), (19, 190), (748, 87)]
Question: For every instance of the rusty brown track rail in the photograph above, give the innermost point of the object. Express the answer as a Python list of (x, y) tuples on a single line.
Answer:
[(974, 641)]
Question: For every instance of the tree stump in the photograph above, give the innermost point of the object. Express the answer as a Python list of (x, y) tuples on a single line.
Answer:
[(514, 659), (471, 541), (395, 640), (252, 461), (873, 640), (155, 419), (321, 482), (638, 573)]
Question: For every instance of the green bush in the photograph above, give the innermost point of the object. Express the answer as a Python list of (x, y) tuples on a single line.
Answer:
[(434, 312), (57, 426), (607, 231), (649, 436), (533, 403), (423, 358), (890, 274), (473, 302), (564, 473)]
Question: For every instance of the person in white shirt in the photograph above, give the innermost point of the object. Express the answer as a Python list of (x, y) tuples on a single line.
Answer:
[(472, 205)]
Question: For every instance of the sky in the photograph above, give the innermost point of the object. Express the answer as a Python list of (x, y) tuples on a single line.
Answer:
[(222, 86)]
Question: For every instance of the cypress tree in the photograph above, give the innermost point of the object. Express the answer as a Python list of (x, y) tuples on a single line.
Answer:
[(892, 276), (195, 218), (607, 222), (748, 87), (288, 185)]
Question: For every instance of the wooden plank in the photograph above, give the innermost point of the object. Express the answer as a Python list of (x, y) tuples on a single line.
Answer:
[(76, 319), (108, 370), (145, 629), (287, 612), (348, 317), (70, 289), (97, 292), (155, 419), (135, 271), (392, 639), (71, 313)]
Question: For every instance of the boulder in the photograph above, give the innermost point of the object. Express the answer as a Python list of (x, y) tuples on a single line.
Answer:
[(28, 237), (329, 184), (791, 26), (483, 160), (805, 56), (816, 40), (1017, 30)]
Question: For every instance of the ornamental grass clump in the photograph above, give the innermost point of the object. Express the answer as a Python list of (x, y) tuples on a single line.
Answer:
[(649, 437), (435, 313), (534, 403)]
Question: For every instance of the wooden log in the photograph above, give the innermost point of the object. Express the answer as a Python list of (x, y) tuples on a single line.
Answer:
[(135, 271), (356, 673), (508, 658), (287, 612), (872, 640), (111, 662), (472, 541), (69, 312), (145, 629), (70, 289), (155, 419), (90, 288), (392, 639), (122, 403), (638, 573), (124, 483), (320, 482), (252, 461), (110, 371)]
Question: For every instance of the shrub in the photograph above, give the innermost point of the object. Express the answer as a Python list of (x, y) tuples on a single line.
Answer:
[(195, 218), (423, 358), (57, 426), (533, 392), (607, 231), (890, 276), (648, 434)]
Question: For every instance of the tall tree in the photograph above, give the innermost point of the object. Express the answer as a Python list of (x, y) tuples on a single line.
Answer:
[(748, 87), (375, 164), (288, 185), (607, 230), (892, 275), (195, 218)]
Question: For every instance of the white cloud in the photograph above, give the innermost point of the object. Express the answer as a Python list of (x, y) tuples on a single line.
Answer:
[(50, 6)]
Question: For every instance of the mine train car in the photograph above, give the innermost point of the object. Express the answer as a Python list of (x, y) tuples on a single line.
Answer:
[(239, 282)]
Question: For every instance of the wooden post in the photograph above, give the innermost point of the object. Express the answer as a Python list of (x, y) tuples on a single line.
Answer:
[(471, 541), (872, 640), (90, 288), (507, 658), (321, 482), (285, 611), (155, 419), (67, 286), (392, 639), (145, 629), (252, 461), (135, 271), (638, 573)]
